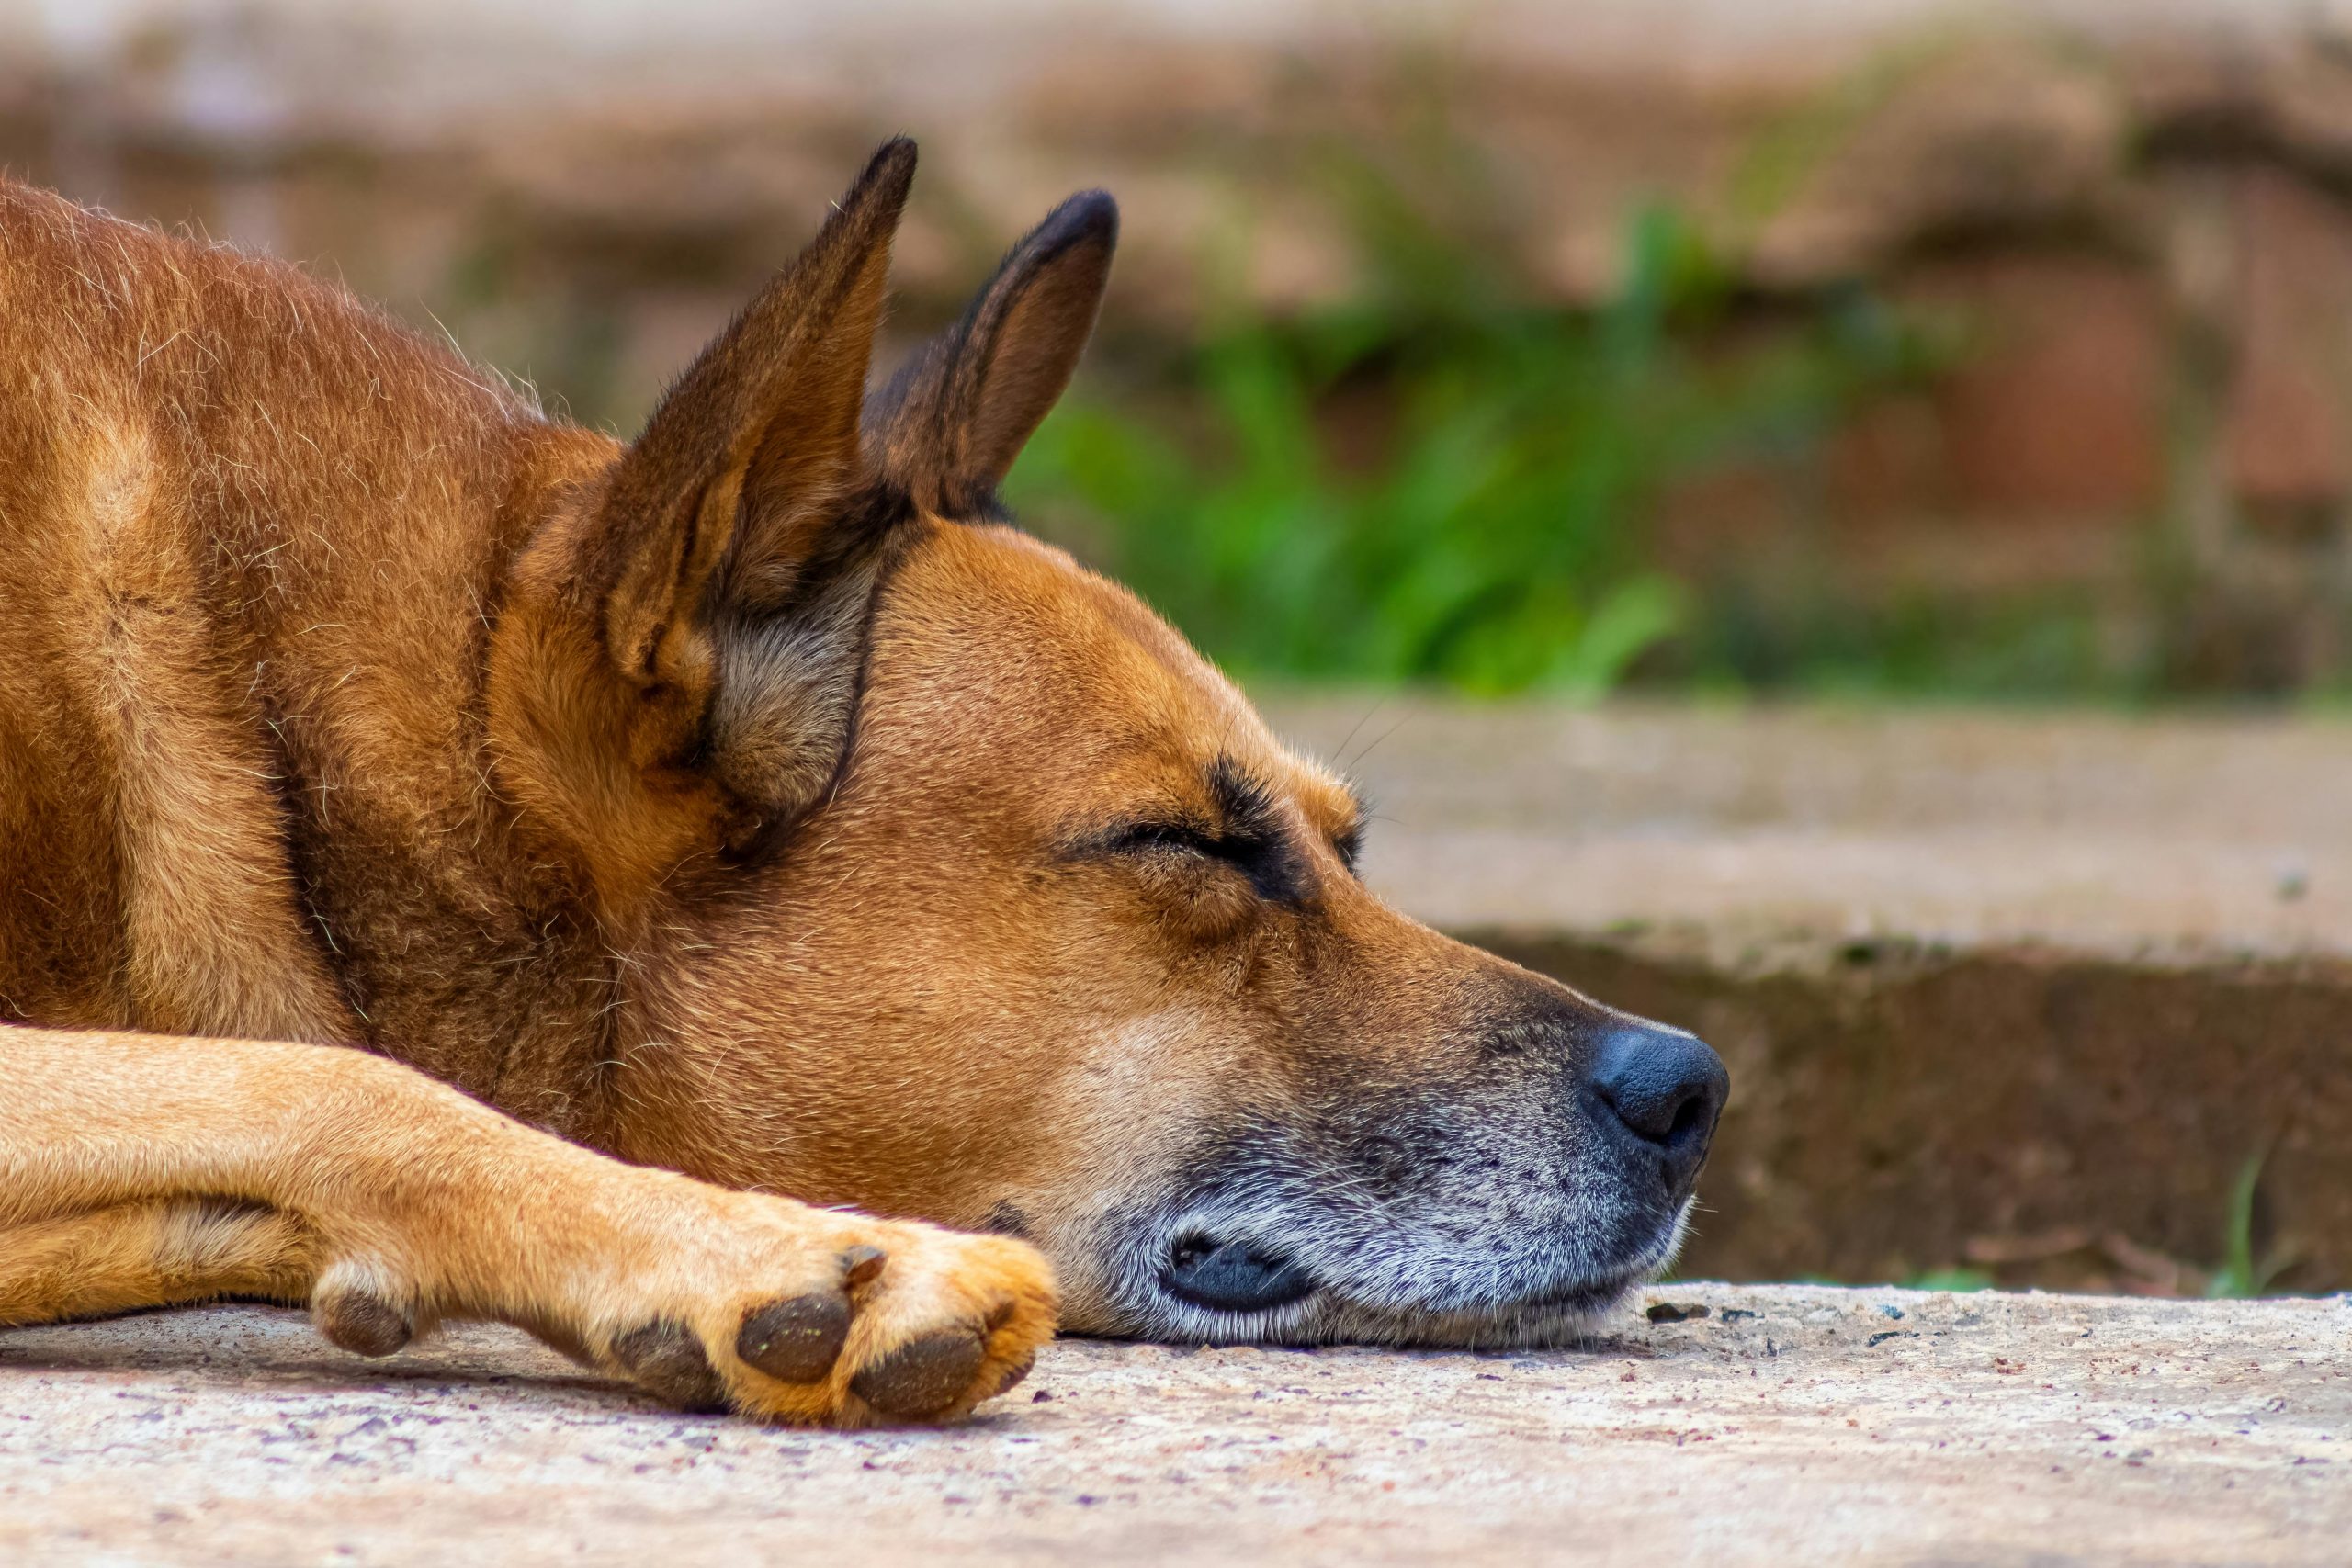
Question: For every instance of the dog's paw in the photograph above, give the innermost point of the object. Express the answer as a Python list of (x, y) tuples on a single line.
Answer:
[(867, 1321)]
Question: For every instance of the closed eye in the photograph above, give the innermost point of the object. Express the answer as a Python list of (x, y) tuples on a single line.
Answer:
[(1251, 833), (1246, 851), (1146, 837), (1272, 864)]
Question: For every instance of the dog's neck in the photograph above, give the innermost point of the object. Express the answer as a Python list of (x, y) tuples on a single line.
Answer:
[(459, 924)]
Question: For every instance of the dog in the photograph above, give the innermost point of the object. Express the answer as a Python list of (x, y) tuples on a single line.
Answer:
[(729, 903)]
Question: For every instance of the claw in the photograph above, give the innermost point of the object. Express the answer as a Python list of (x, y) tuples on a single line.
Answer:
[(862, 1264), (1014, 1374)]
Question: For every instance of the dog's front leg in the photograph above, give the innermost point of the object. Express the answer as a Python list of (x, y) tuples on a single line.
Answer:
[(142, 1170)]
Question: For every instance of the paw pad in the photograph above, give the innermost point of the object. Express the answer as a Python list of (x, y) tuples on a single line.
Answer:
[(798, 1339), (667, 1359), (923, 1376), (360, 1321)]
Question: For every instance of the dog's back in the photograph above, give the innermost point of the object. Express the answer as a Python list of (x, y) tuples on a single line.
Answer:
[(241, 543)]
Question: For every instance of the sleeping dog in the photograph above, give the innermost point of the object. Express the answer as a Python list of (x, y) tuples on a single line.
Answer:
[(728, 903)]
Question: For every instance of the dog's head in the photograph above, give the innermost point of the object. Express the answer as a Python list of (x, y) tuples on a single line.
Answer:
[(952, 882)]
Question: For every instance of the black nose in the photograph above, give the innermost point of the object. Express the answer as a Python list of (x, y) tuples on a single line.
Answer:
[(1667, 1089)]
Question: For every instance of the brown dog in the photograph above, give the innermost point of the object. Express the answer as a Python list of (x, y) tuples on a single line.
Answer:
[(748, 801)]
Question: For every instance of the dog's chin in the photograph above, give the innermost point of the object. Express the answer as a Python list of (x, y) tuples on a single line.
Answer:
[(1272, 1298)]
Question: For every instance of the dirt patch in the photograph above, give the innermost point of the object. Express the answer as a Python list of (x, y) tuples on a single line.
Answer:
[(2054, 1120)]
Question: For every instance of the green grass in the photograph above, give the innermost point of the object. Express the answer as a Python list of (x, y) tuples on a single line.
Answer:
[(1954, 1279), (2247, 1269), (1445, 479), (2241, 1273), (1482, 524)]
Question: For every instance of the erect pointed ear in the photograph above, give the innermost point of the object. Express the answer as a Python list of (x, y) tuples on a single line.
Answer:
[(948, 426), (745, 464)]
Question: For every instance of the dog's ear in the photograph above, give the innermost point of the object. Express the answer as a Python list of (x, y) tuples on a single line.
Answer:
[(948, 426), (695, 617), (729, 492)]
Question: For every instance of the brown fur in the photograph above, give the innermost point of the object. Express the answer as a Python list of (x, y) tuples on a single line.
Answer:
[(741, 802)]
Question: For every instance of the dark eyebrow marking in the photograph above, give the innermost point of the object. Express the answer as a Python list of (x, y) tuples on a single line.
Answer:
[(1246, 804), (1254, 838)]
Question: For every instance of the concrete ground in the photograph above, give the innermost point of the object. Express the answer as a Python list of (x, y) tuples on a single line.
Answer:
[(1787, 1423)]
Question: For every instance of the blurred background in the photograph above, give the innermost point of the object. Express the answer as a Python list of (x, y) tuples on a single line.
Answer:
[(1825, 521)]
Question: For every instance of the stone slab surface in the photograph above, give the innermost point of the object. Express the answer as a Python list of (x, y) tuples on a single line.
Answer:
[(1741, 831), (1788, 1424)]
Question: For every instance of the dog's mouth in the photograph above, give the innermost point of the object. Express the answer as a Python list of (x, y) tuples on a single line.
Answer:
[(1246, 1289), (1233, 1276)]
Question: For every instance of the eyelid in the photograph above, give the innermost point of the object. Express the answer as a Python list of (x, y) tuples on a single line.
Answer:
[(1179, 836), (1233, 850)]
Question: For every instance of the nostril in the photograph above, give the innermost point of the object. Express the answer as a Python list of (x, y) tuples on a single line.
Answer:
[(1666, 1087), (1686, 1117)]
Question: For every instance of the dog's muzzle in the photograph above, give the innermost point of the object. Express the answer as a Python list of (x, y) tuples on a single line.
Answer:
[(1512, 1204)]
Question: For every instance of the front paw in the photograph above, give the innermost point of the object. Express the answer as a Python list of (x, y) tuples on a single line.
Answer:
[(876, 1322)]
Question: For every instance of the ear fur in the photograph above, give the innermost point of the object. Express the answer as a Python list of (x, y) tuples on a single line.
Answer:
[(679, 655), (752, 450), (948, 426)]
